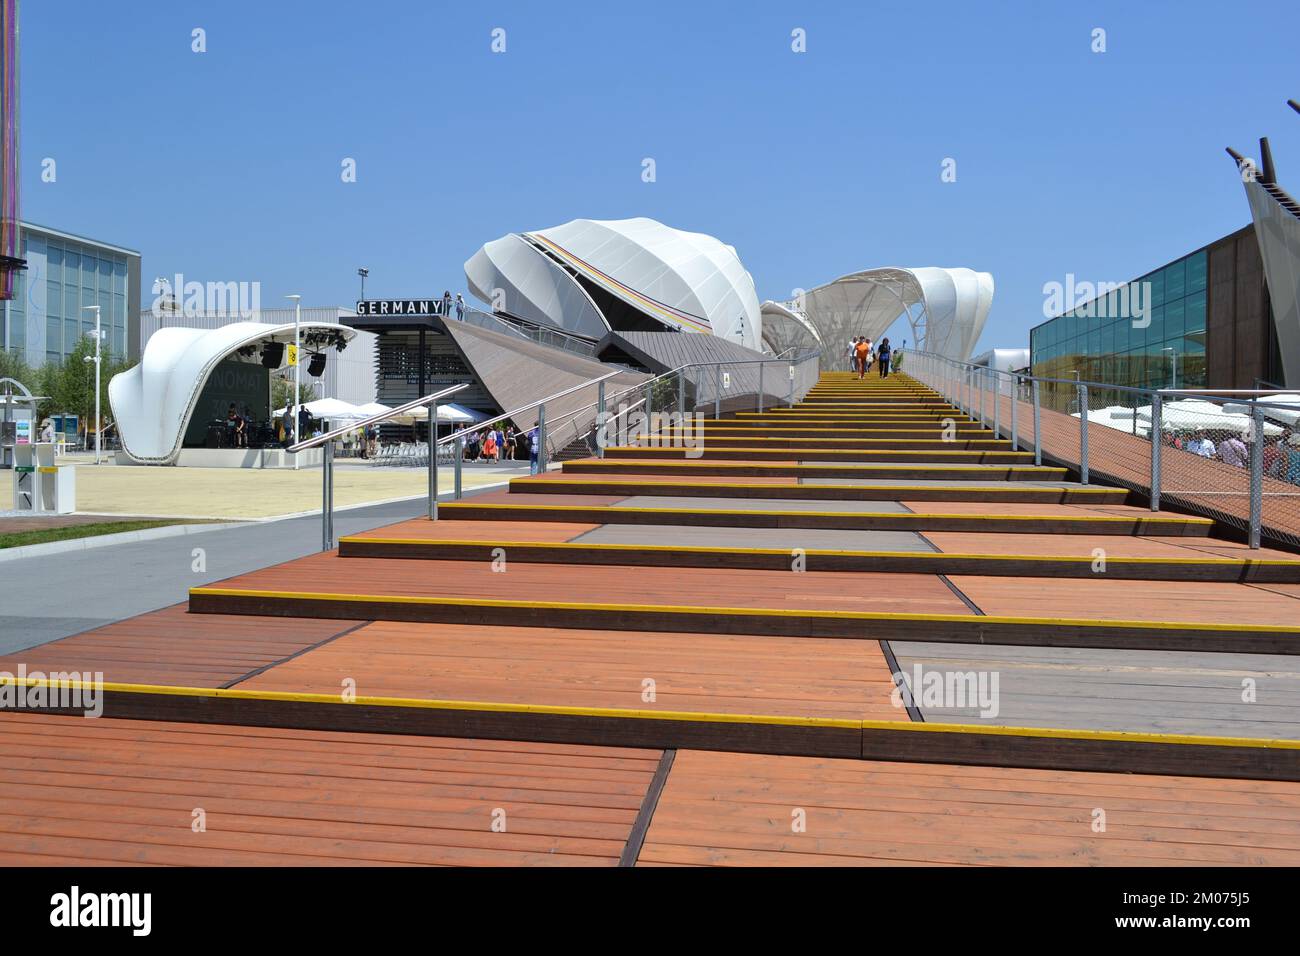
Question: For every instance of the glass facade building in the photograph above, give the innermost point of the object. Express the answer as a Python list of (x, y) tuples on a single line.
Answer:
[(1103, 342), (47, 317)]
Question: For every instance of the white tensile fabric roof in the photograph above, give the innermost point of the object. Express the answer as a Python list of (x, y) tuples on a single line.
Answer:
[(685, 280), (152, 402), (946, 308)]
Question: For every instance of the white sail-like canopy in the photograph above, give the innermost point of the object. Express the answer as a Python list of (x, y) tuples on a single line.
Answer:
[(589, 276), (153, 402), (946, 308)]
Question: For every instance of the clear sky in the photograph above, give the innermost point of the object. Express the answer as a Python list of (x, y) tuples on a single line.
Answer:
[(226, 165)]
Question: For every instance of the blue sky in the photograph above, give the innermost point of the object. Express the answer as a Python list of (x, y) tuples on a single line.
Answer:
[(225, 165)]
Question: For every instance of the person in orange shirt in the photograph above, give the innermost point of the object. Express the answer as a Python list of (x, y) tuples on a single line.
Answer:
[(862, 353)]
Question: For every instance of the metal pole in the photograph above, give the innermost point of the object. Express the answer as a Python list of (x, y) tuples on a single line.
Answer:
[(329, 495), (601, 436), (98, 420), (1157, 442), (981, 376), (1038, 439), (541, 437), (681, 392), (1083, 433), (1256, 475), (1015, 416), (996, 388), (297, 370), (761, 366), (433, 461), (717, 392), (459, 461), (790, 400)]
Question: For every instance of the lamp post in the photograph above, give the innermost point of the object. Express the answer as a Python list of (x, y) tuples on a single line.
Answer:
[(96, 360), (297, 367), (363, 273), (1173, 370)]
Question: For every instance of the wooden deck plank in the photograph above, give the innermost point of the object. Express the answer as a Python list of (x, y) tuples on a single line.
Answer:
[(300, 807), (735, 809)]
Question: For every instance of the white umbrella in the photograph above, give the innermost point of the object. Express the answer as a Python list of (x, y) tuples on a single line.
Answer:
[(373, 408), (331, 410), (1289, 414)]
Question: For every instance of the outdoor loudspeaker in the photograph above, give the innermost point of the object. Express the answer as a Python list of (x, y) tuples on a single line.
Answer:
[(317, 364), (272, 354)]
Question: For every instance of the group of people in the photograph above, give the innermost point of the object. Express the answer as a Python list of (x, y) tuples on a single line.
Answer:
[(862, 353), (1281, 456), (450, 305), (493, 444)]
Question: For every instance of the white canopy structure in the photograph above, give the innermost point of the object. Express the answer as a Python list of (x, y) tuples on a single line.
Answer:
[(153, 402), (591, 276), (946, 308), (332, 410)]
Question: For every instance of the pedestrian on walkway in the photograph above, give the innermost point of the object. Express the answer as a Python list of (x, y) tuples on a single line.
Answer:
[(460, 308), (862, 354), (882, 357)]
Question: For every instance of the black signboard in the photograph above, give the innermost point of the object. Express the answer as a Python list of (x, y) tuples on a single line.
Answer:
[(399, 307)]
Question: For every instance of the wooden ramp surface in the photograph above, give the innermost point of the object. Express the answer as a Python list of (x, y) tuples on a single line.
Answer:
[(122, 792), (740, 809)]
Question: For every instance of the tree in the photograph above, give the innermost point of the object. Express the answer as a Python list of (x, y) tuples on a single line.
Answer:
[(282, 392), (71, 385)]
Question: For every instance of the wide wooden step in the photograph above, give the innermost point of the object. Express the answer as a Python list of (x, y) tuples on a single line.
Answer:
[(1142, 523), (893, 472), (711, 452)]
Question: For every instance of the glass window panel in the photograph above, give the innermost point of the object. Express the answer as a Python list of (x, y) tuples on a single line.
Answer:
[(54, 258), (71, 305), (72, 268), (1194, 314), (1175, 280), (1157, 281), (1197, 272), (53, 298), (53, 334), (1173, 326), (71, 329)]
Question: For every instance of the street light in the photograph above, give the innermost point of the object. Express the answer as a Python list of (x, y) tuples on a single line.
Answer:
[(297, 366), (363, 273), (1173, 373), (96, 360)]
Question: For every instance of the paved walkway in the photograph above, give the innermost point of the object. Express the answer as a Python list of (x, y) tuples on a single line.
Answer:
[(255, 492)]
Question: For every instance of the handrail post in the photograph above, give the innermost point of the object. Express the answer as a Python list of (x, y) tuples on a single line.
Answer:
[(1256, 475), (327, 497), (717, 392), (601, 436), (1015, 417), (790, 401), (541, 439), (1157, 442), (458, 464), (1038, 435), (1083, 432), (681, 391), (433, 461), (980, 376), (761, 366), (995, 378)]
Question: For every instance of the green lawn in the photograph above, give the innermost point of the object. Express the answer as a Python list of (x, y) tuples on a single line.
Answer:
[(17, 539)]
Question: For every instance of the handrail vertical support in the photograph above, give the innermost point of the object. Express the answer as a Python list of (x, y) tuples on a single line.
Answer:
[(681, 392), (327, 497), (1083, 433), (1038, 434), (995, 386), (433, 461), (1157, 443), (458, 464), (1256, 475), (601, 437), (541, 438), (717, 393), (1015, 417), (761, 366)]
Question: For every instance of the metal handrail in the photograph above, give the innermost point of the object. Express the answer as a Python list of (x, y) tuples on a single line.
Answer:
[(469, 429), (374, 419), (967, 378)]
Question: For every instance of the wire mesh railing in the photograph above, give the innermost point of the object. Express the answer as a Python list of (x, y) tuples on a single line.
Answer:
[(1233, 455)]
